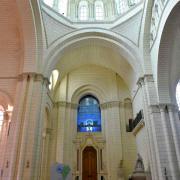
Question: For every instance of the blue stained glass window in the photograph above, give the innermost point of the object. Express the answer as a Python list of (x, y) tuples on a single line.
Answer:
[(89, 115)]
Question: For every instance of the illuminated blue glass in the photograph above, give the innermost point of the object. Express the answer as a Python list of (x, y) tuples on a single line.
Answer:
[(89, 115)]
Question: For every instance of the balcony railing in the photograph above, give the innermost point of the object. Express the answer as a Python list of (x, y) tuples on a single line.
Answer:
[(134, 122)]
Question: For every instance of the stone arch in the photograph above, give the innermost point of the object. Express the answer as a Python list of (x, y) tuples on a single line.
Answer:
[(31, 35), (122, 45), (88, 89), (168, 72)]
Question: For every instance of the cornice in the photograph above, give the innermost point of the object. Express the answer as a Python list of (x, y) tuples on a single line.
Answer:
[(103, 106), (145, 79), (163, 107)]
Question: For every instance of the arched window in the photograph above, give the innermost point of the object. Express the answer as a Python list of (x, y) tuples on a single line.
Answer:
[(1, 117), (89, 115), (99, 10), (49, 2), (117, 4), (83, 10), (178, 94), (122, 6)]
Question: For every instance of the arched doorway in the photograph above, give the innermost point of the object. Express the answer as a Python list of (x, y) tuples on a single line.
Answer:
[(89, 164)]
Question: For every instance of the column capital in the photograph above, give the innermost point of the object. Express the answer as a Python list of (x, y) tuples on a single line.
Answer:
[(144, 79), (36, 77)]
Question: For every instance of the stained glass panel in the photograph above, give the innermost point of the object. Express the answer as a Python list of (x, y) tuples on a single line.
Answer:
[(89, 115)]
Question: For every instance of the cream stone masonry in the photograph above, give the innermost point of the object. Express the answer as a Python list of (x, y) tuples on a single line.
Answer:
[(129, 62)]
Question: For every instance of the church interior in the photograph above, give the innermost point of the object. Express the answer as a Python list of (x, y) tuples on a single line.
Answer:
[(90, 90)]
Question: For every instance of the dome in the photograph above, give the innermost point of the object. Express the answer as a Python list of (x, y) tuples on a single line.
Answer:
[(91, 10)]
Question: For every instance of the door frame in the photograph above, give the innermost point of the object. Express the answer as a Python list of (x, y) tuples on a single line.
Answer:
[(81, 161)]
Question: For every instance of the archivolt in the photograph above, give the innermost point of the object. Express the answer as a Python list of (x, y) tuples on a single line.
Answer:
[(123, 46)]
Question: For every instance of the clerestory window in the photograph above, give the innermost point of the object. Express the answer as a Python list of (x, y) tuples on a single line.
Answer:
[(83, 10), (99, 10)]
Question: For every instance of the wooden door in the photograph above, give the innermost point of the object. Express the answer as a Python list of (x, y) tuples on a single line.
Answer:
[(89, 164)]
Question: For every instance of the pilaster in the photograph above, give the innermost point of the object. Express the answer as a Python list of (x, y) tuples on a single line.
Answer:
[(24, 139), (158, 122), (151, 143)]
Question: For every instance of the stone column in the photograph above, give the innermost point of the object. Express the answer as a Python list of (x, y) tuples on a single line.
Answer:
[(153, 162), (60, 132), (169, 143), (162, 151), (13, 143), (25, 134), (175, 124), (113, 138), (3, 138)]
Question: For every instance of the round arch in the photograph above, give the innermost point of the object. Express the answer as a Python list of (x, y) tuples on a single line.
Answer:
[(88, 90), (31, 35), (168, 72), (106, 38)]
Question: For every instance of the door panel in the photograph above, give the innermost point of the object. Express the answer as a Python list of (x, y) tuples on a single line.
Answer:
[(89, 164)]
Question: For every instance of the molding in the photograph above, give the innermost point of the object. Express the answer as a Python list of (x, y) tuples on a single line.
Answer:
[(36, 76), (154, 108), (168, 107), (105, 105), (145, 79), (163, 107), (66, 104), (111, 104)]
